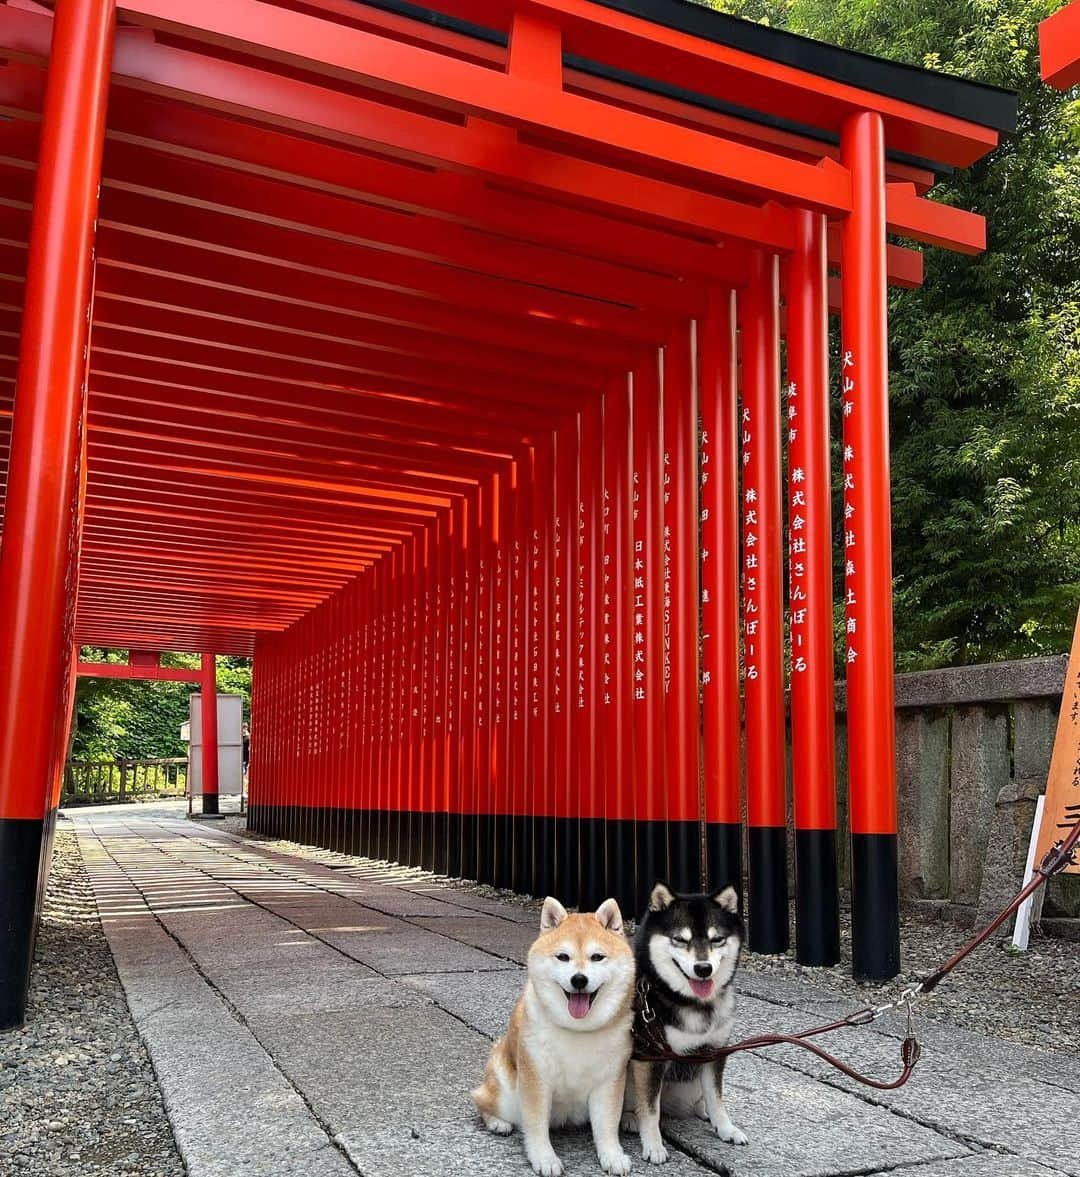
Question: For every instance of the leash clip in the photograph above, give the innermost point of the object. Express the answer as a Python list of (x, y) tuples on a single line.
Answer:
[(648, 1014)]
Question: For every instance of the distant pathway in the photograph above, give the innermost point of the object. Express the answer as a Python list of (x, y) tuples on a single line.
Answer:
[(314, 1019)]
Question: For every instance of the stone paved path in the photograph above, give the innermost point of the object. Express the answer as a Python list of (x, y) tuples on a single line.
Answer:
[(316, 1021)]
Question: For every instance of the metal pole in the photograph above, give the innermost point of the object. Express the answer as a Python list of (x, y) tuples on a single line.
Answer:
[(763, 619), (813, 720), (864, 374)]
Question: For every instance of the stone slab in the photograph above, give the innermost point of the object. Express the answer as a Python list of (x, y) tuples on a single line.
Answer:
[(398, 949), (467, 1149), (339, 986), (501, 938), (801, 1128), (411, 1066), (484, 1005)]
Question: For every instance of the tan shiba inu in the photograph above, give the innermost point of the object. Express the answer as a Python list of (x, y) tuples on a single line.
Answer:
[(563, 1059)]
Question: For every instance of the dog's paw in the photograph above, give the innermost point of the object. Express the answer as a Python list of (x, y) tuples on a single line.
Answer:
[(499, 1127), (699, 1110), (629, 1122), (655, 1153), (546, 1164), (614, 1161), (732, 1135)]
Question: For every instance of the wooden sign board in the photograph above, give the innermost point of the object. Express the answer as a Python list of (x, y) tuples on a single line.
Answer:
[(1062, 808)]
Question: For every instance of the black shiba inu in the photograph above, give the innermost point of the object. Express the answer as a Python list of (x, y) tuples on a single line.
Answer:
[(687, 948)]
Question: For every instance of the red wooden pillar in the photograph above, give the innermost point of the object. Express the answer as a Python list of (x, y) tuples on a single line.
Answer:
[(41, 531), (813, 730), (720, 560), (587, 657), (616, 683), (682, 594), (763, 618), (864, 378), (650, 791), (540, 669), (209, 717), (564, 630)]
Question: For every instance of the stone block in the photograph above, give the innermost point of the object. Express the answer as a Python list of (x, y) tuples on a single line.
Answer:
[(922, 781), (980, 770), (1034, 728)]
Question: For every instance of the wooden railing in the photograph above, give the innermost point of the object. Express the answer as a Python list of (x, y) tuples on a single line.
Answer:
[(101, 782)]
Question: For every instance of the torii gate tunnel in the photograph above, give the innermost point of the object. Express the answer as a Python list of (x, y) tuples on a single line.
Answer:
[(433, 356)]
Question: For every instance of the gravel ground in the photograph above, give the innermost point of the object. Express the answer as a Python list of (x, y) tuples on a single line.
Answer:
[(1032, 997), (78, 1095)]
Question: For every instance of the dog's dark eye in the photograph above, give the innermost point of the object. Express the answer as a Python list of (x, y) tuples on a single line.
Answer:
[(717, 940), (597, 956), (564, 956)]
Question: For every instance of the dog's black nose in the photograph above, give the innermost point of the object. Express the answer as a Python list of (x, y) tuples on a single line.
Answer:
[(579, 980), (703, 969)]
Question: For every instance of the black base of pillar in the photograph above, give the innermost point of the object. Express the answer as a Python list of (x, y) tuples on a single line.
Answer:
[(723, 856), (485, 847), (440, 850), (767, 916), (875, 907), (543, 857), (817, 903), (591, 855), (453, 845), (21, 845), (652, 856), (621, 839), (567, 863), (210, 803), (521, 833), (684, 855)]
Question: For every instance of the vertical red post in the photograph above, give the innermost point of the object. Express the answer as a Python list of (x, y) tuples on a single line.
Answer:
[(540, 669), (563, 683), (763, 616), (41, 522), (208, 715), (682, 593), (864, 378), (587, 542), (650, 794), (813, 721), (616, 684), (720, 560)]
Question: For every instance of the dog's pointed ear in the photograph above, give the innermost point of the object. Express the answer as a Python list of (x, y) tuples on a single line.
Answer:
[(609, 915), (552, 914), (728, 899), (660, 897)]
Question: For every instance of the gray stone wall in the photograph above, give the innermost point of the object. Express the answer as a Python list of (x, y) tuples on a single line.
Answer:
[(973, 749)]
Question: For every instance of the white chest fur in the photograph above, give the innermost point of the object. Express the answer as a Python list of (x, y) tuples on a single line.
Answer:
[(697, 1028), (574, 1063)]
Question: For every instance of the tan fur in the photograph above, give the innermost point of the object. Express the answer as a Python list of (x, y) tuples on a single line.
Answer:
[(552, 1069)]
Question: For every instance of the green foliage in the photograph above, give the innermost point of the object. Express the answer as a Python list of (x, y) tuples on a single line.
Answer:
[(140, 720), (985, 358)]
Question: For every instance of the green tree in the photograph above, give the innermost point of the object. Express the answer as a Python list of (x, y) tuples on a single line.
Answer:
[(985, 357)]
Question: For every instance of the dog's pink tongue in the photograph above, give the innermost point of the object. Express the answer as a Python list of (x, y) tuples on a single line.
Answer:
[(701, 988), (578, 1003)]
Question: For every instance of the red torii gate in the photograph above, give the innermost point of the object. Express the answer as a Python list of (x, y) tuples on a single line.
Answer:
[(433, 355), (146, 665)]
